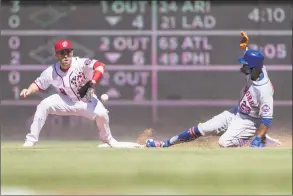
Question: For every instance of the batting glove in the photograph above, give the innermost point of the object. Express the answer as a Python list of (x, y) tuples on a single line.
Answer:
[(256, 142), (244, 40)]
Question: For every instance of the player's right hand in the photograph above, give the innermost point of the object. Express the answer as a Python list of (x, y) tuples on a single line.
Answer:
[(244, 40), (24, 93)]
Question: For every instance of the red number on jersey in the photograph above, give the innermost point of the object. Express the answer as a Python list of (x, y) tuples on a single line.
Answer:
[(244, 107)]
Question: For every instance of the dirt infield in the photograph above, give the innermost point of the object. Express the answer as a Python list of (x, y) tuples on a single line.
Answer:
[(212, 141)]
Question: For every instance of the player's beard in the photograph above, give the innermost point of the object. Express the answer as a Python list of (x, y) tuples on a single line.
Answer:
[(66, 62)]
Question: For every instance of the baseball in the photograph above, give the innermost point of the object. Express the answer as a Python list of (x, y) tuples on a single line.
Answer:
[(104, 97)]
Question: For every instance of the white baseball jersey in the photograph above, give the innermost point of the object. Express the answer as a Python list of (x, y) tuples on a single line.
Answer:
[(68, 83), (257, 97)]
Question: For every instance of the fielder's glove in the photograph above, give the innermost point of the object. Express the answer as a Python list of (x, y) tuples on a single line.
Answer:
[(86, 91), (244, 40), (256, 142)]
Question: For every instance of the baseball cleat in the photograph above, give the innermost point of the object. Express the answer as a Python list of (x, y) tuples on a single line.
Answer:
[(28, 144), (152, 143)]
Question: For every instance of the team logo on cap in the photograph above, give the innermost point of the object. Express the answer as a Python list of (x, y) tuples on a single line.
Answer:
[(64, 44)]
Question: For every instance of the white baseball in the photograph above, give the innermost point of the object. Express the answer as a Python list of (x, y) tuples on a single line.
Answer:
[(104, 97)]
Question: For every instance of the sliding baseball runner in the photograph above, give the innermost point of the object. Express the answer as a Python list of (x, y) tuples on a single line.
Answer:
[(248, 122)]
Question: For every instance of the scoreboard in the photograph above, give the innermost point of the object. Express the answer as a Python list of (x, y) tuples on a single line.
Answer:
[(158, 53)]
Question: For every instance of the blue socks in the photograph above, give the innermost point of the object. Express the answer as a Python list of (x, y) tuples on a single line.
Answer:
[(185, 136)]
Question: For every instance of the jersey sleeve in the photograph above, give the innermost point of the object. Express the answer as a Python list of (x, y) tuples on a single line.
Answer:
[(45, 79), (89, 65), (266, 106)]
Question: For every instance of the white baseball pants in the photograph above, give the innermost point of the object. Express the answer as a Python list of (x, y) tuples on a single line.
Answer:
[(231, 125), (58, 104)]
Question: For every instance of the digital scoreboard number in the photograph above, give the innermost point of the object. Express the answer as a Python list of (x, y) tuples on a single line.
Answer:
[(212, 50), (213, 15), (68, 15)]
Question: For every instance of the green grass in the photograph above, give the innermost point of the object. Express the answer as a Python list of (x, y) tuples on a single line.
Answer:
[(82, 167)]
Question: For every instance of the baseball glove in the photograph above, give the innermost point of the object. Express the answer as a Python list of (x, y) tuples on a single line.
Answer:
[(86, 91), (244, 40)]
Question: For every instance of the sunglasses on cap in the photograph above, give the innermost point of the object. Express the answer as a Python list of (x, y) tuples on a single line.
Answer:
[(65, 51)]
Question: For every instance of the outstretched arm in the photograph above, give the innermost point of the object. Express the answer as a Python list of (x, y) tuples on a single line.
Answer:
[(266, 114), (41, 83), (263, 128), (32, 89)]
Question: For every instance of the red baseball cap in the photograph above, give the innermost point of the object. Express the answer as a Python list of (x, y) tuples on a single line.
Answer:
[(62, 45)]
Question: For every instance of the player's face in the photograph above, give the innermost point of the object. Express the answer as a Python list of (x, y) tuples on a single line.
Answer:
[(255, 74), (65, 57), (245, 69), (252, 73)]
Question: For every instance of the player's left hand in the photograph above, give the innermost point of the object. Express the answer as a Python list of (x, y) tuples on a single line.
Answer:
[(244, 40), (256, 142), (86, 91)]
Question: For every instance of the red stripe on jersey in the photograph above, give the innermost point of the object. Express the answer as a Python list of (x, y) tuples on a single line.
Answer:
[(97, 64), (97, 75)]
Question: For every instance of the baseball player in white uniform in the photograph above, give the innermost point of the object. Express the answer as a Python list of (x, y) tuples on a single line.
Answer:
[(245, 124), (74, 78)]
